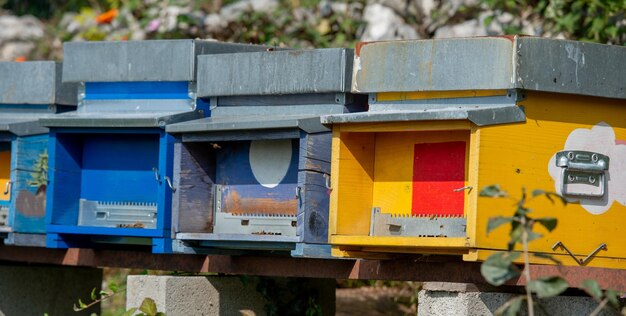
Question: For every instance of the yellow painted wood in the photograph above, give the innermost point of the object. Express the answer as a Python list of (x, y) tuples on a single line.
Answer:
[(397, 241), (354, 167), (517, 155), (5, 174), (406, 126), (393, 172), (599, 262), (421, 95)]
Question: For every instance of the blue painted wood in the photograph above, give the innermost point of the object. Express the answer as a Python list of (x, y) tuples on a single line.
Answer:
[(239, 184), (313, 208), (315, 152), (29, 177), (64, 241), (312, 251), (112, 165), (136, 90)]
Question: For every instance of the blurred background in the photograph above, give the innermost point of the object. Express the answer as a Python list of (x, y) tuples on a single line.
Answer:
[(36, 29)]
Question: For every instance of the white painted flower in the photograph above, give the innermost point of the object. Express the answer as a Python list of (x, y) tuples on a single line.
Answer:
[(599, 139)]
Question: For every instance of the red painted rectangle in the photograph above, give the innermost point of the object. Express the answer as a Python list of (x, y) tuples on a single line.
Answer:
[(438, 169)]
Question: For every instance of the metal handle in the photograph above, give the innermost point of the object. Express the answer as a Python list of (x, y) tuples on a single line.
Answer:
[(169, 183), (157, 177), (582, 167), (6, 189), (298, 189), (579, 261)]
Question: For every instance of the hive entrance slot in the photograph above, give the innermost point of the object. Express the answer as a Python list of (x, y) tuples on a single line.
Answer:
[(117, 214)]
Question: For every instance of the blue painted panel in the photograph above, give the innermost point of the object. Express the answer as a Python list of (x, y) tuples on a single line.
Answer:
[(108, 165), (136, 90), (30, 180), (242, 193), (111, 231), (119, 168)]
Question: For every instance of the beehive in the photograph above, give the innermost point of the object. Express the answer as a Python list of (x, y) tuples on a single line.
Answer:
[(255, 175), (450, 117), (28, 91), (111, 160)]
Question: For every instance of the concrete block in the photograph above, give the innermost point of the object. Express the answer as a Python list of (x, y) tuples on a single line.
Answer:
[(35, 290), (466, 299), (214, 295)]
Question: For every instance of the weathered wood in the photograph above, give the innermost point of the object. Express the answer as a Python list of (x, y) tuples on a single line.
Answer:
[(241, 135), (29, 184), (313, 207), (194, 194)]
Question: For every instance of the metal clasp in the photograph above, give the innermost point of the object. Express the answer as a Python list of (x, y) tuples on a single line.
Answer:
[(7, 188), (167, 179), (579, 261), (583, 167)]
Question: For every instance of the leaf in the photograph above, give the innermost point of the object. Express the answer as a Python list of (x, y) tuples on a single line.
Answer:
[(592, 288), (148, 306), (130, 312), (495, 222), (612, 296), (492, 191), (533, 236), (498, 268), (548, 222), (113, 287), (93, 294), (511, 307), (547, 256), (548, 286), (516, 235)]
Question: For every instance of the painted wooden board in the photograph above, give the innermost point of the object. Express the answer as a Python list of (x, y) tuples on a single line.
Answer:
[(83, 167), (5, 170), (194, 178), (258, 177), (523, 155), (30, 174)]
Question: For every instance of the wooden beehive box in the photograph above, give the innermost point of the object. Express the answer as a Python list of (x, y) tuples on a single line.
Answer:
[(28, 91), (450, 117), (111, 160), (255, 175)]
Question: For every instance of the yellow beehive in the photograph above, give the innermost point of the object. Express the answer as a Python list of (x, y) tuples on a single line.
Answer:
[(450, 117)]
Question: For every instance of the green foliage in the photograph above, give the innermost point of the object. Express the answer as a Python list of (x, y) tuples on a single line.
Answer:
[(596, 20), (292, 297), (499, 267)]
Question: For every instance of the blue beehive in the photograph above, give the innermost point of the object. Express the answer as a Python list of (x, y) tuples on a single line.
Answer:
[(28, 91), (111, 160), (255, 175)]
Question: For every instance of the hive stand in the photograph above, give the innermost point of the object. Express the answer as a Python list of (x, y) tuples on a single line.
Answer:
[(450, 117), (111, 160), (28, 91), (255, 175)]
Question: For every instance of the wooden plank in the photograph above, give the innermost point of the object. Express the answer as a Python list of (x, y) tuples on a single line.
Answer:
[(30, 182), (194, 193), (223, 136), (313, 207), (316, 146), (352, 182)]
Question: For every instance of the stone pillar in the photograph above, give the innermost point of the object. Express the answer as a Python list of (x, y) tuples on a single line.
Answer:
[(452, 299), (222, 295), (52, 290)]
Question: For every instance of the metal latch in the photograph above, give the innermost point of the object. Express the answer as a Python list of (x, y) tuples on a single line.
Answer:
[(4, 214), (583, 173)]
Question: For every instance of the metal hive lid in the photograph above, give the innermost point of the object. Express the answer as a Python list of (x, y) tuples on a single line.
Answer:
[(529, 63), (34, 82), (275, 72), (154, 60)]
